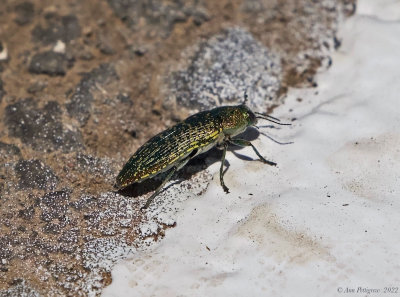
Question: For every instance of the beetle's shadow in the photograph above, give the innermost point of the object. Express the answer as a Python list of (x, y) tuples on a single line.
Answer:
[(194, 166)]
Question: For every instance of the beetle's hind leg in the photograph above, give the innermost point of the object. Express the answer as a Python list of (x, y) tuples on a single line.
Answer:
[(167, 178), (243, 142), (221, 169)]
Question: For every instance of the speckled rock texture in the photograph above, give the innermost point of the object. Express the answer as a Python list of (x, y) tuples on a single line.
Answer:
[(84, 83)]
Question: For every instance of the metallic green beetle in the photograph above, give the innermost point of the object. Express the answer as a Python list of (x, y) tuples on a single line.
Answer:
[(174, 147)]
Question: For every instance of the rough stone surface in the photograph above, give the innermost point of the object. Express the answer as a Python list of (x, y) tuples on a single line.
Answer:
[(80, 102), (302, 32), (65, 28), (50, 63), (8, 150), (33, 174), (159, 16), (138, 67), (224, 68), (40, 128), (24, 13), (2, 92), (20, 288)]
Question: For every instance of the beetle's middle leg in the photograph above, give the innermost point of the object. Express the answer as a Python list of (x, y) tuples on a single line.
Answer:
[(221, 169), (243, 142)]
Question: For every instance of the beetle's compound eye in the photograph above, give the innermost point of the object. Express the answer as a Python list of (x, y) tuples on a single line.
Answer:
[(252, 118), (248, 116)]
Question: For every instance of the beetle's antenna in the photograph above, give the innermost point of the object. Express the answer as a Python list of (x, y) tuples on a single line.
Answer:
[(276, 141), (273, 120), (268, 126), (268, 116)]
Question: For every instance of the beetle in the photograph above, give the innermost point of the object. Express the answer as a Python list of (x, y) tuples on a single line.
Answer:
[(174, 147)]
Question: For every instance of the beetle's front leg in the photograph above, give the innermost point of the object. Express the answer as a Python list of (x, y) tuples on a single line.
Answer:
[(243, 142), (221, 169)]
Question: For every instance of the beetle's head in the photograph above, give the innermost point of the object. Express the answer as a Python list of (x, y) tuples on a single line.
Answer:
[(237, 118), (248, 115)]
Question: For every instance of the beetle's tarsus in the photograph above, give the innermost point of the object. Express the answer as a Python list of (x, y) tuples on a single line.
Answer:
[(268, 162), (226, 189)]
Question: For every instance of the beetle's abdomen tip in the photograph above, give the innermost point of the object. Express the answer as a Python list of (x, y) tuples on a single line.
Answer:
[(122, 182), (116, 186), (119, 183)]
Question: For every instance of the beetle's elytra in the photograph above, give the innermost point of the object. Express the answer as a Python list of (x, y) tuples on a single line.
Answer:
[(174, 147)]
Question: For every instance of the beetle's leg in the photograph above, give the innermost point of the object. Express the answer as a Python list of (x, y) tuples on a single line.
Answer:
[(221, 169), (167, 178), (220, 146), (243, 142)]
